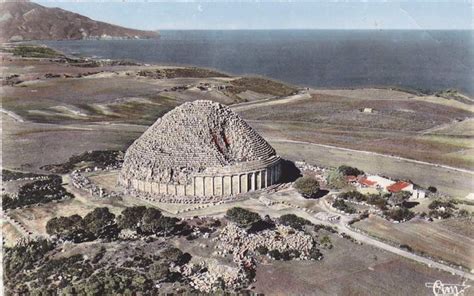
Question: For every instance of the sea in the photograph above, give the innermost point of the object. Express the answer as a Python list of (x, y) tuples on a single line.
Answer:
[(427, 61)]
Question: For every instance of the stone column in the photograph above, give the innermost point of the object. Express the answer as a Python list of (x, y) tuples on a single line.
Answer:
[(222, 184), (253, 181)]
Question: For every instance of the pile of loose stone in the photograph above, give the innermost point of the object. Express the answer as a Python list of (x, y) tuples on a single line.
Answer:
[(80, 181), (236, 241), (208, 276), (320, 173), (192, 138)]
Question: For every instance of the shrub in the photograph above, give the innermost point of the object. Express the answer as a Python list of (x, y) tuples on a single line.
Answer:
[(463, 213), (377, 200), (437, 204), (325, 240), (349, 171), (353, 195), (294, 221), (131, 217), (399, 198), (23, 255), (315, 254), (62, 226), (336, 180), (432, 189), (41, 191), (262, 250), (242, 217), (399, 214), (307, 186), (275, 254), (98, 220), (342, 206)]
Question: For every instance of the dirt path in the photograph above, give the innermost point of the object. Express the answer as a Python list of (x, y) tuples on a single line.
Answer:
[(13, 115), (343, 226), (270, 102)]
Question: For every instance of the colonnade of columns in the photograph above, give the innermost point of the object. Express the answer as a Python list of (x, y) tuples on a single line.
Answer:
[(225, 185)]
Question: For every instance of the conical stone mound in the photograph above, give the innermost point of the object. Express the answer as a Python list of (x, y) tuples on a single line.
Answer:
[(195, 143)]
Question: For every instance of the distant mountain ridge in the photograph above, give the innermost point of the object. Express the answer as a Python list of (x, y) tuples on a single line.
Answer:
[(24, 20)]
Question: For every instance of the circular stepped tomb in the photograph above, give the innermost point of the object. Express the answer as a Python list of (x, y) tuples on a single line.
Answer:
[(200, 149)]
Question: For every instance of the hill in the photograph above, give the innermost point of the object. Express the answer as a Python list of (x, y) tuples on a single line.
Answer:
[(30, 21)]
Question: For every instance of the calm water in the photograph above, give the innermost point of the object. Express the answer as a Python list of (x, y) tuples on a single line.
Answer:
[(430, 60)]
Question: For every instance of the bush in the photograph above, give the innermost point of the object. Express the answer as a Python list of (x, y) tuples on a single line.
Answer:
[(463, 213), (131, 217), (437, 204), (41, 191), (349, 171), (342, 206), (399, 214), (242, 217), (23, 255), (399, 197), (97, 221), (262, 250), (336, 180), (275, 254), (325, 240), (294, 221), (64, 226), (315, 254), (307, 186), (353, 195), (432, 189), (377, 200)]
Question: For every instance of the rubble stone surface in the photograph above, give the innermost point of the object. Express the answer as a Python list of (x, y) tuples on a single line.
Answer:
[(200, 148)]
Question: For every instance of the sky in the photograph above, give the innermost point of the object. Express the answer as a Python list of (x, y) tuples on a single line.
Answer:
[(296, 14)]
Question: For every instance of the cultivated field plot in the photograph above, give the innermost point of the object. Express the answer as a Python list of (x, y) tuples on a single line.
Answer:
[(49, 91), (448, 181), (450, 241), (393, 123), (28, 146), (349, 269)]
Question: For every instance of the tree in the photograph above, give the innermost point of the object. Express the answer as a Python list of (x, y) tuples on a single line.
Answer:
[(275, 254), (96, 221), (242, 217), (64, 226), (432, 189), (399, 197), (342, 206), (307, 186), (349, 171), (158, 271), (262, 250), (131, 217), (377, 200), (336, 179), (353, 195), (150, 222), (399, 214), (294, 221)]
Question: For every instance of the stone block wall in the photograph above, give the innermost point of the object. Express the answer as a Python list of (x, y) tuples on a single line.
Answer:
[(217, 185)]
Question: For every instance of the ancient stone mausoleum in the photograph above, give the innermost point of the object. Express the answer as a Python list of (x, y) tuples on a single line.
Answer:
[(200, 148)]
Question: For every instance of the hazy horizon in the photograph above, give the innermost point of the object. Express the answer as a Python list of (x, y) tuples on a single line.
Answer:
[(295, 15)]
